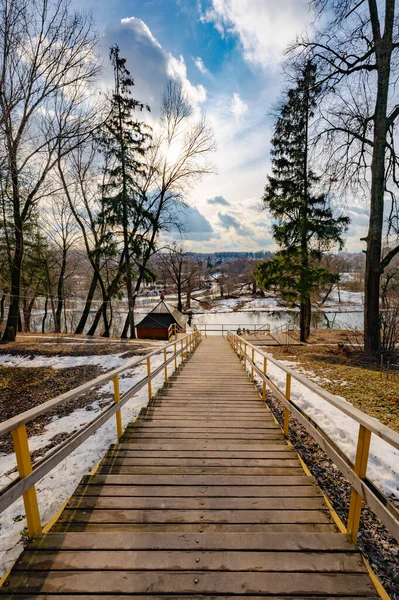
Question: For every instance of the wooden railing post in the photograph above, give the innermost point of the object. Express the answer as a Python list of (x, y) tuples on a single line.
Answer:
[(24, 465), (118, 416), (264, 373), (205, 331), (288, 397), (362, 455), (182, 351), (245, 356), (166, 366), (175, 351), (252, 366), (149, 382)]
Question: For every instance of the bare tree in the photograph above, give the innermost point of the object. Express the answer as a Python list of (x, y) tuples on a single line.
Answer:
[(357, 55), (181, 270), (179, 158), (46, 63)]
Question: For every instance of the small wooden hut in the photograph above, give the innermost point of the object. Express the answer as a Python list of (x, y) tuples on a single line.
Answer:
[(155, 325)]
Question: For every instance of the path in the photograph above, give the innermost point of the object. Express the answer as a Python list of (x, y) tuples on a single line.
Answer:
[(201, 497)]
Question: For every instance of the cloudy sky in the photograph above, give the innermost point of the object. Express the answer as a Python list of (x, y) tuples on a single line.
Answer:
[(228, 55)]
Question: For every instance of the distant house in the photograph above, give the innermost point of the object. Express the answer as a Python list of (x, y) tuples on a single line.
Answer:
[(156, 324)]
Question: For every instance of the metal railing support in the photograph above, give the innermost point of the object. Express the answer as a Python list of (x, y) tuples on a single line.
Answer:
[(288, 397), (118, 415), (360, 468), (24, 465), (149, 375)]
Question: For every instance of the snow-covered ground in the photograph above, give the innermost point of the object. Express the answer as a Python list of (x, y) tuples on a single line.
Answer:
[(384, 459), (344, 301), (54, 489)]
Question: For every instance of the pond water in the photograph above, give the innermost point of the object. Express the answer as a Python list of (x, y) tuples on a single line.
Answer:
[(329, 320)]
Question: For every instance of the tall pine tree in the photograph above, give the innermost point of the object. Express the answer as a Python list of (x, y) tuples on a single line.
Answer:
[(304, 222), (125, 141)]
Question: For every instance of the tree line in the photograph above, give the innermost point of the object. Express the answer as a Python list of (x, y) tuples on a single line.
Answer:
[(80, 167), (334, 138)]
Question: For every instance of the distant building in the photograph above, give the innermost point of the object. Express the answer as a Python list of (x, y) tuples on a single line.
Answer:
[(155, 325)]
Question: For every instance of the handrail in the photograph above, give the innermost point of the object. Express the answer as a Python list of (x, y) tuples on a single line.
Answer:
[(354, 473), (29, 475)]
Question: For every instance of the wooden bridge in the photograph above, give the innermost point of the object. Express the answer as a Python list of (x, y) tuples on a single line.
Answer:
[(201, 497)]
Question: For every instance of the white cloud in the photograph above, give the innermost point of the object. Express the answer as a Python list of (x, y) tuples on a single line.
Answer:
[(199, 63), (238, 107), (149, 63), (177, 69), (264, 27)]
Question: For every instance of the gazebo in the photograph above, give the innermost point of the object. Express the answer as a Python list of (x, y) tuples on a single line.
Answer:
[(156, 323)]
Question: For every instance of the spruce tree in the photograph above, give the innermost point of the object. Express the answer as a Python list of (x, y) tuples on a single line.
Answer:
[(125, 141), (304, 223)]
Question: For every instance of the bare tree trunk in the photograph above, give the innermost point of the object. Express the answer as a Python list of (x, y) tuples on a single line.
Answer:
[(372, 338), (97, 318), (13, 317), (86, 311), (60, 295), (2, 302), (44, 315)]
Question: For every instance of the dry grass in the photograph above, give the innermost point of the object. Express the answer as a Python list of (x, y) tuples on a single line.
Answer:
[(349, 373)]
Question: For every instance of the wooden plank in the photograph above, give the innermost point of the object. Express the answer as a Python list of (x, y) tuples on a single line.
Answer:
[(187, 480), (194, 516), (111, 582), (198, 503), (263, 452), (117, 460), (189, 491), (193, 560), (240, 528), (129, 470), (324, 542), (174, 597)]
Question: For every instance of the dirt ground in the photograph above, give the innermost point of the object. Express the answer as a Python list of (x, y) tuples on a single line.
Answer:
[(22, 388), (346, 371)]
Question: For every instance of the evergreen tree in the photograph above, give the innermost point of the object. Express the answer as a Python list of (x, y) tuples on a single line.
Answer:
[(125, 141), (304, 221)]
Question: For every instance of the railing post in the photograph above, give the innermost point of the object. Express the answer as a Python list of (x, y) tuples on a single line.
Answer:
[(118, 416), (149, 375), (264, 373), (252, 366), (175, 350), (182, 351), (222, 330), (362, 455), (245, 356), (24, 465), (205, 331), (288, 397), (166, 366)]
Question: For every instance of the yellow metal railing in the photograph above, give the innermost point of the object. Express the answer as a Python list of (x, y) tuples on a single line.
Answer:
[(362, 489), (30, 474)]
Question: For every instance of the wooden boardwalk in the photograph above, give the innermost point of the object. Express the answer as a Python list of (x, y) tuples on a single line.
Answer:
[(201, 498)]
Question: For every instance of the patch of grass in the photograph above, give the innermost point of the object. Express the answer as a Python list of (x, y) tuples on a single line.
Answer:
[(352, 375)]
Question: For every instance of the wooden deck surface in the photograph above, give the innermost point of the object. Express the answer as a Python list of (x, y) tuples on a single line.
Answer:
[(201, 498)]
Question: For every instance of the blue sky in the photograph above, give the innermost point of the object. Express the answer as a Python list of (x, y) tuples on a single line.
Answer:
[(228, 56)]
